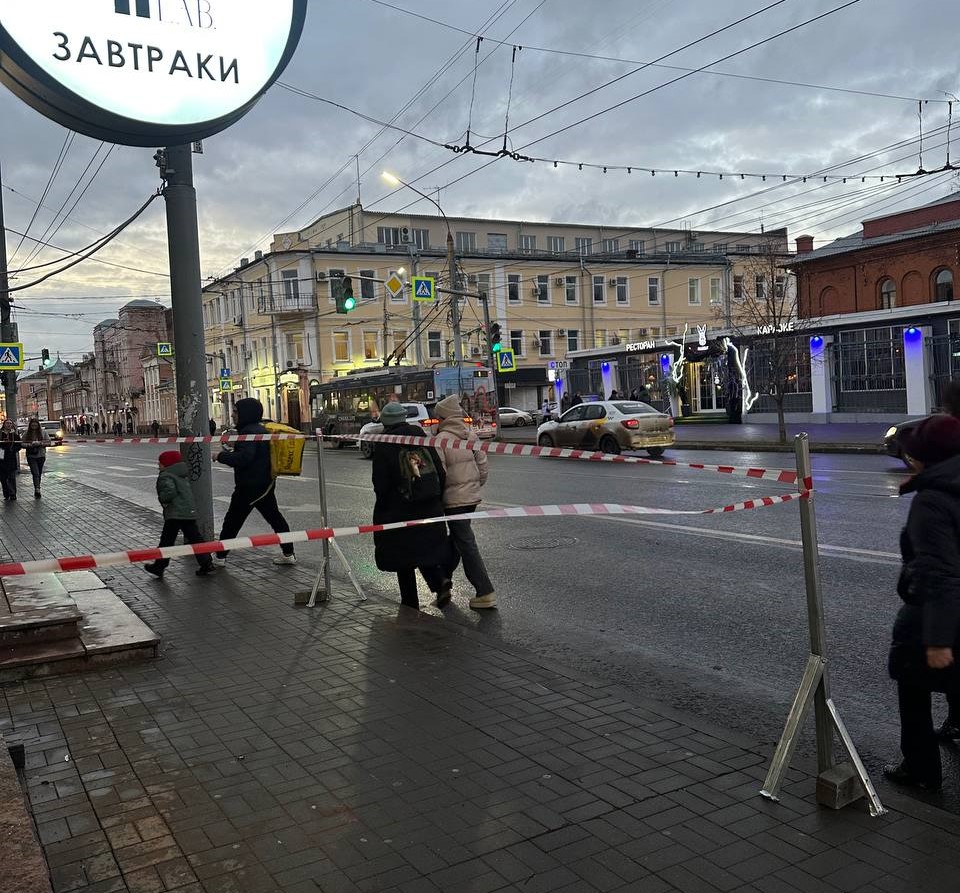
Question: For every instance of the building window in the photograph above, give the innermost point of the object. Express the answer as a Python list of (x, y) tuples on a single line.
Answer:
[(623, 292), (693, 292), (721, 248), (715, 290), (570, 290), (435, 345), (573, 340), (467, 241), (516, 341), (584, 246), (483, 283), (421, 238), (495, 241), (778, 287), (543, 289), (759, 287), (888, 294), (556, 244), (294, 350), (599, 295), (367, 286), (653, 291), (674, 247), (386, 235), (698, 247), (513, 288), (738, 288), (872, 360), (611, 246), (943, 286), (545, 337), (399, 337), (528, 244), (331, 275), (341, 347), (637, 245), (291, 287), (743, 249), (599, 337), (371, 350)]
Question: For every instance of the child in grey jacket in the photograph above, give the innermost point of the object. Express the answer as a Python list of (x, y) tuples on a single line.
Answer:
[(179, 512)]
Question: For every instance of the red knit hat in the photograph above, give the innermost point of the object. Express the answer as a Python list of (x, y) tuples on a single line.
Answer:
[(170, 457), (934, 440)]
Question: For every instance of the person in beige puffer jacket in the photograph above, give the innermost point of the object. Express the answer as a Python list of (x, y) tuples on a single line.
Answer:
[(466, 473)]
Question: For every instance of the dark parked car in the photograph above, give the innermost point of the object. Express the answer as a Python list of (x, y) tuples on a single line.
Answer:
[(892, 440)]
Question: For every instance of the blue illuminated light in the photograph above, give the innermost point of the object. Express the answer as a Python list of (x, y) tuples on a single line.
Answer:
[(912, 334), (816, 342), (606, 367)]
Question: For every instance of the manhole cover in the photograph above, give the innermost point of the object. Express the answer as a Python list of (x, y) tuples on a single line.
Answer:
[(535, 543)]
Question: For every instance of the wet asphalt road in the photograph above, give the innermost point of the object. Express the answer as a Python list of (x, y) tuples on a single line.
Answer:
[(706, 613)]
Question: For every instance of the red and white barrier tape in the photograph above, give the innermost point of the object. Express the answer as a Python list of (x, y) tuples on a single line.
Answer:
[(136, 556), (224, 438), (782, 476)]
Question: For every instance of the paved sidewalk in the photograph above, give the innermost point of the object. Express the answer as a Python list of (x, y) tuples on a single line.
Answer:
[(371, 748)]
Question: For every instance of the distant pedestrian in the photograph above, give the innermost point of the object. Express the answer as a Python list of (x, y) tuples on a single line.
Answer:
[(213, 428), (96, 428), (254, 484), (179, 512), (408, 482), (35, 442), (466, 473), (614, 395), (545, 410), (564, 402), (926, 634), (577, 399), (155, 428), (10, 446), (634, 395)]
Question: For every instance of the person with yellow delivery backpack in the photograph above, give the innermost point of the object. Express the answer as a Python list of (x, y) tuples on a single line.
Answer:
[(255, 467)]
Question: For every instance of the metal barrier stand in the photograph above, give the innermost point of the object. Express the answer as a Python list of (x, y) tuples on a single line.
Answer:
[(837, 784)]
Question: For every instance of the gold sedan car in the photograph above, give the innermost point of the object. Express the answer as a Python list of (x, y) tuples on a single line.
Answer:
[(610, 426)]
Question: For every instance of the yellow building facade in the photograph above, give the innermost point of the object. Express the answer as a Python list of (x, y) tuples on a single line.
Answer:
[(272, 328)]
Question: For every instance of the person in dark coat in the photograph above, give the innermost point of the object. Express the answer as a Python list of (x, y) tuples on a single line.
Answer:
[(577, 399), (926, 633), (10, 446), (396, 471), (254, 483), (213, 428), (155, 428)]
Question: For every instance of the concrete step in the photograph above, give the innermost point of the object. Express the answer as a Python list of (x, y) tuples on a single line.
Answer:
[(41, 625)]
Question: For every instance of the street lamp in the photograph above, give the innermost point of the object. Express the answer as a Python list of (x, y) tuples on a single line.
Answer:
[(394, 180)]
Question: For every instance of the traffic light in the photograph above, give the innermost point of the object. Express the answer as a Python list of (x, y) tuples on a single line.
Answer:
[(496, 340), (343, 294), (45, 356)]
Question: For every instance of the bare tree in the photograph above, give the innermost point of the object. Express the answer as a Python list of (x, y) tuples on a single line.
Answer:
[(763, 314)]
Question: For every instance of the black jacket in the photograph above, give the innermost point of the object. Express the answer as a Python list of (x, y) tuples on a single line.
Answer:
[(414, 546), (10, 445), (930, 579), (250, 461)]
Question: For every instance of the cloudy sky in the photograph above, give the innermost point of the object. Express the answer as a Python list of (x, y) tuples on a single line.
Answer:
[(390, 65)]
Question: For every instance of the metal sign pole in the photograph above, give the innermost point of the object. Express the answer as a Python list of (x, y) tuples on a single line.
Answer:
[(324, 523), (837, 785)]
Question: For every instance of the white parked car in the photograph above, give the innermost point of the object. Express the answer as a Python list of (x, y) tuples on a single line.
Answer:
[(514, 418), (417, 414)]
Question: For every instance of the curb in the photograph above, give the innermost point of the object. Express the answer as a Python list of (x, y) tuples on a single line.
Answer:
[(772, 446)]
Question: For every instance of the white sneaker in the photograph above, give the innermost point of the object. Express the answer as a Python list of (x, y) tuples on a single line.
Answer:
[(484, 601), (285, 559), (219, 562)]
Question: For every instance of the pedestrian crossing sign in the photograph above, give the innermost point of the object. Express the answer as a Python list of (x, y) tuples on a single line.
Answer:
[(226, 384), (11, 357), (164, 349), (424, 288), (506, 361)]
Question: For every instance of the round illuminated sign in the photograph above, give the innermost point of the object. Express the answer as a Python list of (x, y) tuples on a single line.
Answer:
[(146, 72)]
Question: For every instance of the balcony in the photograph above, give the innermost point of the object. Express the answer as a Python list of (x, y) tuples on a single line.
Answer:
[(286, 303)]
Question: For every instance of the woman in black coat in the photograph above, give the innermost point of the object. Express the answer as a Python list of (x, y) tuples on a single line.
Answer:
[(10, 445), (926, 634), (408, 482)]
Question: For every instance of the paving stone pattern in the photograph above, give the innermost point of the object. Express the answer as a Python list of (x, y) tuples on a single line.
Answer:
[(366, 747)]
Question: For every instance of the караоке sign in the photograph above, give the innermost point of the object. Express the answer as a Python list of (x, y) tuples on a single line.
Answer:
[(146, 72)]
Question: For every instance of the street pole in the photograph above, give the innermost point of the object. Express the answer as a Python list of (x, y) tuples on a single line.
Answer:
[(492, 357), (186, 292), (6, 325), (417, 342), (455, 306)]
